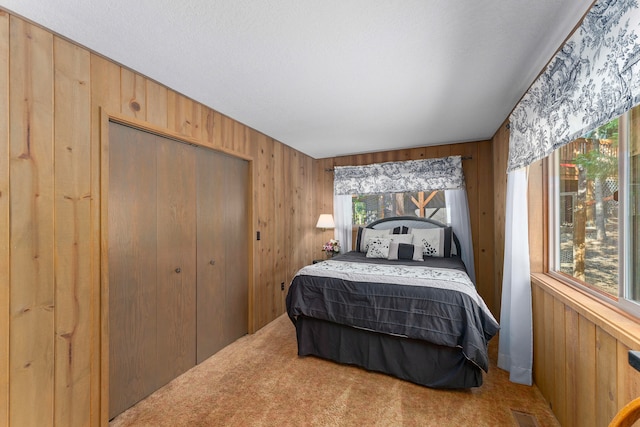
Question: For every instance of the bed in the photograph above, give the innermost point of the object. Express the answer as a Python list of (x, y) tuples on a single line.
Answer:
[(381, 308)]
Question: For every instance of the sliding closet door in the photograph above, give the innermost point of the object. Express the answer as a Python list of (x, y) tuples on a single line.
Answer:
[(212, 258), (223, 210), (132, 266), (176, 283), (237, 235)]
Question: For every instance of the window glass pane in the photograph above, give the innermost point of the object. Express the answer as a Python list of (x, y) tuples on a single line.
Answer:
[(588, 208), (371, 207)]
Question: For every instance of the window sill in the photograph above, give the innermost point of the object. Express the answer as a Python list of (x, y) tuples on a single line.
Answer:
[(616, 323)]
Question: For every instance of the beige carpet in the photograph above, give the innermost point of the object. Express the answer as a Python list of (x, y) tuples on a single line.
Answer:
[(260, 381)]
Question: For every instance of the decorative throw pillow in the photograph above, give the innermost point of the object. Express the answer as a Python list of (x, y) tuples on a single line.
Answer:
[(436, 242), (378, 247), (367, 234), (405, 251)]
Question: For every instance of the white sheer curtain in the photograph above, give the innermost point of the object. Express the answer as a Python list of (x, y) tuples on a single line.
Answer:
[(343, 217), (458, 218), (515, 352)]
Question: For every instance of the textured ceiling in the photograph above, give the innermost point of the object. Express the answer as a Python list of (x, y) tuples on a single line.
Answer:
[(331, 77)]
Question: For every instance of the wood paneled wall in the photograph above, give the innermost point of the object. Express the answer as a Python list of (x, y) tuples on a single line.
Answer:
[(479, 181), (51, 95), (580, 360), (581, 348)]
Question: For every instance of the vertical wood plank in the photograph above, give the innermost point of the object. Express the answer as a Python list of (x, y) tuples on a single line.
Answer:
[(571, 366), (586, 384), (211, 243), (132, 94), (536, 205), (132, 268), (72, 233), (500, 153), (236, 214), (211, 128), (281, 233), (240, 137), (485, 265), (4, 219), (226, 133), (264, 196), (31, 345), (309, 216), (105, 94), (176, 290), (628, 377), (549, 349), (539, 370), (606, 377), (156, 103), (183, 115), (559, 362)]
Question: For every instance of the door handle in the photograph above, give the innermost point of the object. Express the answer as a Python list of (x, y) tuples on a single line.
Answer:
[(178, 270), (212, 262)]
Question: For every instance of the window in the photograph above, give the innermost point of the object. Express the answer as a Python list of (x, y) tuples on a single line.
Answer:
[(371, 207), (595, 211)]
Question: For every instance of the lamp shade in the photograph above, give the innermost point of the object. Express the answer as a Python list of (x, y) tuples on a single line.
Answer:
[(325, 221)]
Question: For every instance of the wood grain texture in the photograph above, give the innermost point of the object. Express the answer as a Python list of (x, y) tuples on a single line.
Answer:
[(537, 300), (4, 220), (176, 280), (537, 206), (559, 362), (132, 94), (484, 244), (211, 246), (72, 234), (223, 211), (211, 128), (156, 103), (586, 396), (628, 377), (572, 351), (132, 258), (606, 377), (105, 96), (549, 349), (184, 115), (265, 284), (32, 292), (500, 156), (283, 235), (235, 235)]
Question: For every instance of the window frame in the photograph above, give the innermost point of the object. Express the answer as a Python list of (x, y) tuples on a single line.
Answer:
[(553, 257), (355, 226)]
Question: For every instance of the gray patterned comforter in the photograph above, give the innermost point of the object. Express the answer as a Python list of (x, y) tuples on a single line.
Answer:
[(409, 299)]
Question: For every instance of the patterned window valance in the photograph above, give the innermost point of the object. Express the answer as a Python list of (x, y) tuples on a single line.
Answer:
[(592, 79), (399, 177)]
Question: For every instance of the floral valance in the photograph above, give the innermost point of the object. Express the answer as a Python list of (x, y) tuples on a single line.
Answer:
[(398, 177), (592, 79)]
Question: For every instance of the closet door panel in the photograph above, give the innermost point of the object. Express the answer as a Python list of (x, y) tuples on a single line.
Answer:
[(212, 260), (132, 266), (236, 212), (176, 234)]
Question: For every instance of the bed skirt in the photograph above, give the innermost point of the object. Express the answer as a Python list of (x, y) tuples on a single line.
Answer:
[(413, 360)]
